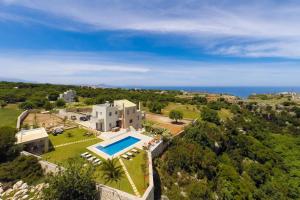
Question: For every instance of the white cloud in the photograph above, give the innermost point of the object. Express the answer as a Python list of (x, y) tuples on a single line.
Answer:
[(90, 68), (274, 24)]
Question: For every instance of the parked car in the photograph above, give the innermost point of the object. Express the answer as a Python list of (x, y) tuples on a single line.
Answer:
[(83, 118), (73, 117)]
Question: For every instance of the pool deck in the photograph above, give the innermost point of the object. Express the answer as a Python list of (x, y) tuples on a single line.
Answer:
[(144, 140)]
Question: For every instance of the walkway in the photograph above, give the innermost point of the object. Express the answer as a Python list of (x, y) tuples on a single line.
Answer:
[(80, 141), (136, 192)]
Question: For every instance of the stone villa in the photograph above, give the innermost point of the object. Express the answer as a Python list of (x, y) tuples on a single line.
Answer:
[(120, 114)]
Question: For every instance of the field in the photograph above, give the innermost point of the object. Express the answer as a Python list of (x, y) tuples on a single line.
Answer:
[(9, 115), (43, 120), (189, 111), (165, 122), (225, 114)]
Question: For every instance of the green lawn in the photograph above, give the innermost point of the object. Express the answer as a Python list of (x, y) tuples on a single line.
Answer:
[(9, 116), (134, 168), (76, 135), (189, 111), (61, 154), (123, 185)]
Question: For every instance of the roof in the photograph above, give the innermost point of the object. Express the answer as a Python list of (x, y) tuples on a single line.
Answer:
[(31, 135), (124, 102)]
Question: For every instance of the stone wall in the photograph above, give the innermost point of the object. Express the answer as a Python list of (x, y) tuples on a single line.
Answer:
[(21, 117)]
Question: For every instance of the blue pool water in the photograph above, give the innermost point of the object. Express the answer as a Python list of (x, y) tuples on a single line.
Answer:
[(118, 146)]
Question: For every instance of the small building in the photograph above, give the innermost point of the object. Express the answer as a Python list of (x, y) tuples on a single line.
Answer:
[(35, 141), (120, 114), (68, 96)]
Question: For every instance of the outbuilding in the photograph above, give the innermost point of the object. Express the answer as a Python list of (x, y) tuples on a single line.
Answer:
[(35, 141)]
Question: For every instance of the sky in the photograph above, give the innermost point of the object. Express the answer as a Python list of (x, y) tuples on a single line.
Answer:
[(151, 43)]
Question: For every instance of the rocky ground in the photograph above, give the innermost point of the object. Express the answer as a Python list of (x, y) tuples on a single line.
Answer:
[(22, 191)]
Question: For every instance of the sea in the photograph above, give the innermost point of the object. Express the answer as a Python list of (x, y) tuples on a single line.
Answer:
[(242, 91)]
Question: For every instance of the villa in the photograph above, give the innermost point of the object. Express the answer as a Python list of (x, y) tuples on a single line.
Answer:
[(121, 114), (68, 96)]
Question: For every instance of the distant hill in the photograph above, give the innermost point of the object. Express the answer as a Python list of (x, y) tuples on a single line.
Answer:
[(6, 79)]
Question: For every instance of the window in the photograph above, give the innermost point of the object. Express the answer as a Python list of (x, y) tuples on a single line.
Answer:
[(116, 112), (133, 110), (127, 112), (130, 121), (109, 113), (96, 114), (109, 125)]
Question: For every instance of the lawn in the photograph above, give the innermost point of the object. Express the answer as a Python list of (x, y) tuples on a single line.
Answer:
[(70, 135), (136, 172), (189, 111), (9, 116), (61, 154)]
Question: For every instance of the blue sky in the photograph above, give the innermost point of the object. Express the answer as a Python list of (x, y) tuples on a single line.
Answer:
[(143, 43)]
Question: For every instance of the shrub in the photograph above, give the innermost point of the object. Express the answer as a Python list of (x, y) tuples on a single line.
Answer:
[(26, 168)]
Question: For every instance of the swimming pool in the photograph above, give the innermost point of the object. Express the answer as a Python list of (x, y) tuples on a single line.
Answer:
[(118, 145)]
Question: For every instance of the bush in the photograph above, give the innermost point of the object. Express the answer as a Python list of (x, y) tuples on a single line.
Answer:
[(26, 168), (210, 115), (60, 103), (75, 182), (8, 148)]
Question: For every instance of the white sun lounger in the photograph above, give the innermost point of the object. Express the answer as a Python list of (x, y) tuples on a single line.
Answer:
[(96, 160), (125, 156), (88, 155), (97, 163), (129, 154), (84, 154), (92, 158), (135, 151)]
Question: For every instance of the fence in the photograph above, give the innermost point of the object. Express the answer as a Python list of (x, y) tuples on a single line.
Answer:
[(21, 117)]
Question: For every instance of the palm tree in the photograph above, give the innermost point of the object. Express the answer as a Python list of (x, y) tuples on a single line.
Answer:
[(112, 172)]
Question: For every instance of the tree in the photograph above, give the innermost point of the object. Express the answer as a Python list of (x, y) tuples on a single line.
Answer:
[(175, 115), (3, 103), (8, 148), (53, 96), (156, 107), (199, 191), (28, 105), (112, 172), (48, 105), (210, 115), (73, 182), (60, 103)]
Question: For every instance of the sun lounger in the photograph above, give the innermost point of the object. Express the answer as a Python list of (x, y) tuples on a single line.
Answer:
[(84, 154), (135, 151), (88, 155), (96, 160), (97, 163), (129, 154), (125, 156), (92, 158)]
